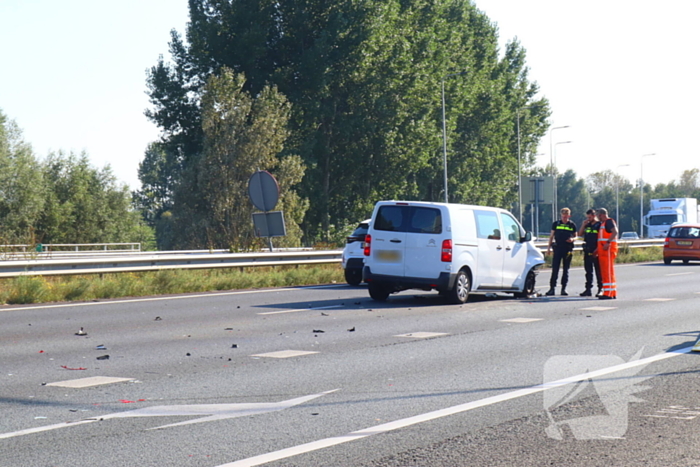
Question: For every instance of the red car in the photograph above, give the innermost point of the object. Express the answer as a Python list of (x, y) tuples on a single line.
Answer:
[(682, 243)]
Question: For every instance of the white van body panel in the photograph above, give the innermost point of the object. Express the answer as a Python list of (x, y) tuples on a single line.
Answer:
[(487, 243)]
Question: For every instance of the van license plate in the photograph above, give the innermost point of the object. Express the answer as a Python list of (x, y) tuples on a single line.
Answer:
[(684, 243), (388, 256)]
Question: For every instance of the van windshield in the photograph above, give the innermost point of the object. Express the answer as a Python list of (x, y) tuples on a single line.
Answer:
[(411, 219)]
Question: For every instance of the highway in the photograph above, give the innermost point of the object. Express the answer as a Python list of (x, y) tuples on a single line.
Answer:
[(324, 376)]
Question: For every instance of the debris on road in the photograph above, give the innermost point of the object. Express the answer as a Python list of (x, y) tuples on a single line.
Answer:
[(352, 329), (158, 318), (318, 331), (324, 314), (103, 357), (81, 332), (234, 346), (68, 368), (100, 347)]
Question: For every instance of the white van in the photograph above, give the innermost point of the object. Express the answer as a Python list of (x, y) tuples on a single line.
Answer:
[(452, 248)]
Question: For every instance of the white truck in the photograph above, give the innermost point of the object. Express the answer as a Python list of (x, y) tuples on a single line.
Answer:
[(668, 211)]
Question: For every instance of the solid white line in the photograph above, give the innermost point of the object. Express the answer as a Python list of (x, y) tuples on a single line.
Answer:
[(300, 309), (406, 422), (680, 274), (178, 297)]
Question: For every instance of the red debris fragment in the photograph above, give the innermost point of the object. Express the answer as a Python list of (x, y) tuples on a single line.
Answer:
[(79, 368)]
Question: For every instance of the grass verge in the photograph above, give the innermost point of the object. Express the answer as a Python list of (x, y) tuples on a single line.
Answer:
[(38, 289)]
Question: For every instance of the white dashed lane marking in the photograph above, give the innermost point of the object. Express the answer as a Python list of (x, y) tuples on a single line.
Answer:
[(89, 382), (599, 308), (680, 274), (520, 320), (659, 299), (422, 335), (300, 309), (284, 354)]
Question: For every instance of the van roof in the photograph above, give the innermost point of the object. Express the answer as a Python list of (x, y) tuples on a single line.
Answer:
[(431, 203)]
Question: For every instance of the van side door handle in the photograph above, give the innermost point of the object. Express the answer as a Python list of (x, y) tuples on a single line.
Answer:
[(395, 240), (499, 247), (508, 248)]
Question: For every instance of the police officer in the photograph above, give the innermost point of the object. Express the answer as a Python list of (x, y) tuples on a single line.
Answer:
[(589, 232), (561, 240)]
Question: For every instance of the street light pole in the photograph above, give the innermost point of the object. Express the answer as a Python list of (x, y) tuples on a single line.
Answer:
[(556, 190), (641, 194), (617, 194), (551, 165), (444, 128), (520, 191)]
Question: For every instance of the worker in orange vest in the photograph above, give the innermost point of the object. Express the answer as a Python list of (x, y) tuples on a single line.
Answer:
[(607, 252)]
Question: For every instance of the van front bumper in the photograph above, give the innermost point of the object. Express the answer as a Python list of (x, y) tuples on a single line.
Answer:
[(445, 281)]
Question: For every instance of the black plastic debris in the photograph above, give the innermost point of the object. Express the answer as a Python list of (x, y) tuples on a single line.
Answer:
[(352, 329), (81, 332), (103, 357), (228, 329), (101, 347), (188, 354), (158, 318), (234, 346), (318, 331), (324, 314)]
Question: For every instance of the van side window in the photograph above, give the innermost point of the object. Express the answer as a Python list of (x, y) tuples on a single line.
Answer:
[(487, 225), (511, 227)]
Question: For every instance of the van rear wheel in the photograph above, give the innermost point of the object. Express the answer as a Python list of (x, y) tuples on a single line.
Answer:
[(460, 292), (378, 292)]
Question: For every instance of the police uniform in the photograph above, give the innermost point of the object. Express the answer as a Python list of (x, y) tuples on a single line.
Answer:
[(563, 252), (590, 261)]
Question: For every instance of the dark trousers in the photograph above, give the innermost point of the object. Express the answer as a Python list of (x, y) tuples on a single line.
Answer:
[(590, 263), (561, 255)]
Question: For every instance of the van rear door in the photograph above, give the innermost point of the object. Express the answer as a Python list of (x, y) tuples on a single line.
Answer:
[(388, 239), (424, 237)]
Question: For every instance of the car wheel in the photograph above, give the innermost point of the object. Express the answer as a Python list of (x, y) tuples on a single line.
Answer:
[(529, 287), (460, 292), (667, 261), (353, 276), (378, 292)]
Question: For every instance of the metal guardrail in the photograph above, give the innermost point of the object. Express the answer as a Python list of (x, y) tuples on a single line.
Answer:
[(154, 262), (71, 248), (644, 243), (194, 259)]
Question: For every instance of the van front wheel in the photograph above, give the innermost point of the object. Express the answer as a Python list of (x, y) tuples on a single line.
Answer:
[(529, 287), (378, 292), (460, 292)]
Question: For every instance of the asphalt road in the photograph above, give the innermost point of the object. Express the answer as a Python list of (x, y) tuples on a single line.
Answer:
[(324, 376)]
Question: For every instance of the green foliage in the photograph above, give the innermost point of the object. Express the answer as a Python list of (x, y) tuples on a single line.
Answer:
[(22, 188), (241, 134), (363, 79), (61, 199), (86, 205)]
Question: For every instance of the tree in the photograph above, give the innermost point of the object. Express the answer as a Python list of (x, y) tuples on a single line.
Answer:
[(86, 205), (241, 134), (363, 79), (21, 184)]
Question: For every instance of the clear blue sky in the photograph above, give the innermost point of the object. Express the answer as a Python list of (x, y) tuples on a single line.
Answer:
[(622, 73)]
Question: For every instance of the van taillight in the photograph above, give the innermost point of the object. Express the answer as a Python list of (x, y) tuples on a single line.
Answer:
[(446, 253), (368, 244)]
